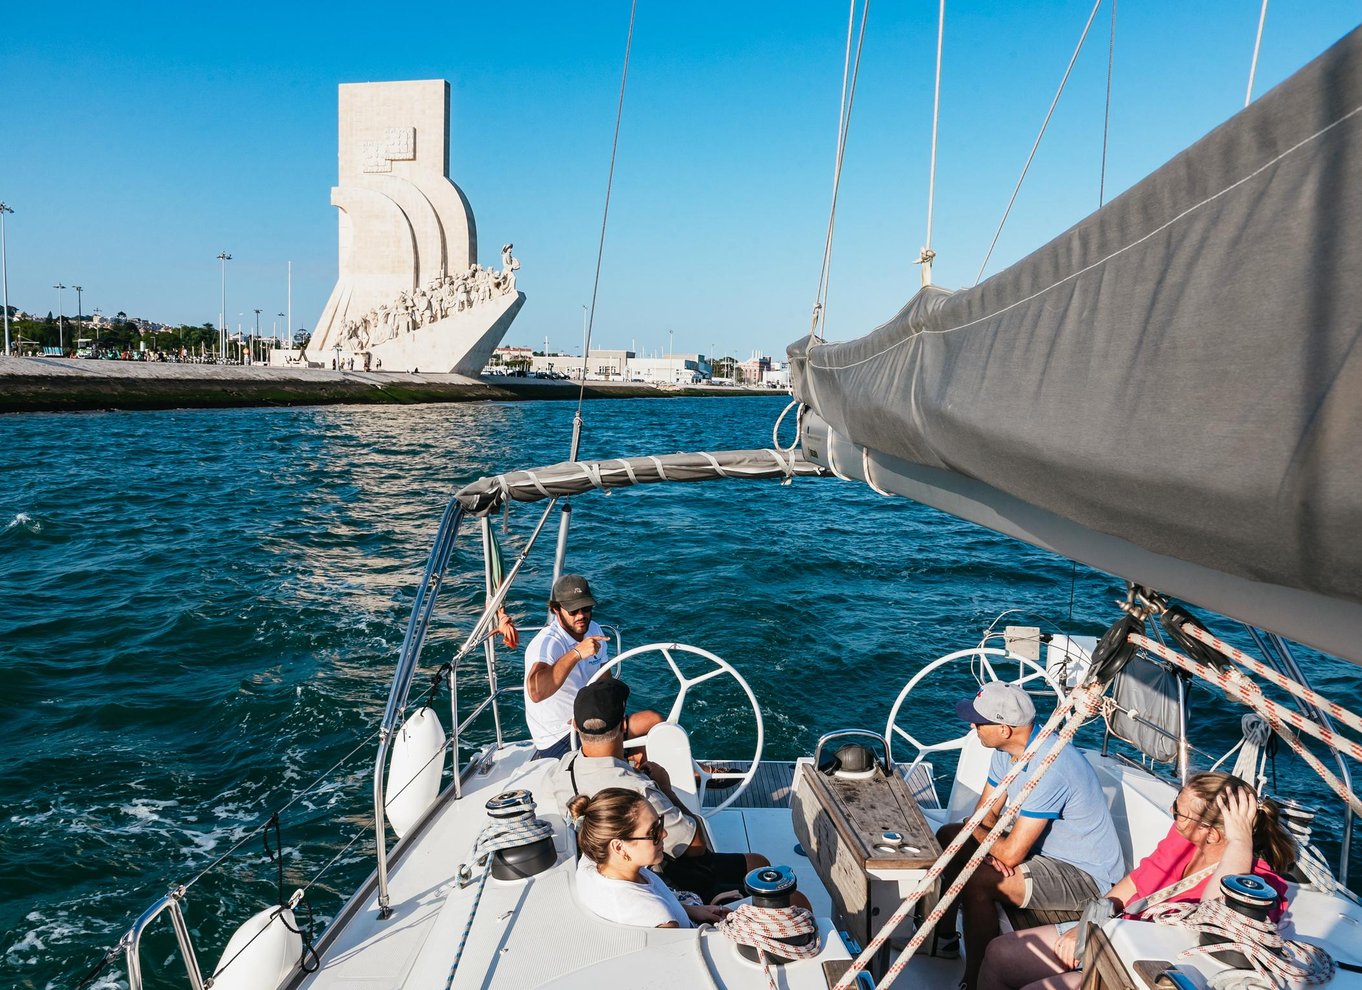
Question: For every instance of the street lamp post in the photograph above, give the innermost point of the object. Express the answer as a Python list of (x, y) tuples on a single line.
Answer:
[(61, 335), (223, 258), (285, 325), (4, 269), (257, 333), (80, 310)]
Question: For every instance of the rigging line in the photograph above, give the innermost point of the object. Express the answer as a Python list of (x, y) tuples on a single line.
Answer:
[(1106, 119), (605, 216), (1031, 157), (291, 802), (1073, 587), (836, 156), (363, 831), (850, 72), (926, 256), (1257, 46)]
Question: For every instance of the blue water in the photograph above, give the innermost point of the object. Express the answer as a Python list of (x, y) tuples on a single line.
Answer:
[(200, 611)]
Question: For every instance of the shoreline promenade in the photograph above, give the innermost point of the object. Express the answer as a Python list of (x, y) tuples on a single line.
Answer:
[(52, 384)]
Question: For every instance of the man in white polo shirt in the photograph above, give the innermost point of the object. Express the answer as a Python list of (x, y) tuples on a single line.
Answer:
[(560, 660)]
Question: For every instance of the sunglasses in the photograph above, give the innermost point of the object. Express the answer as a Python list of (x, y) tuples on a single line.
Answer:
[(1178, 814), (653, 834), (584, 610)]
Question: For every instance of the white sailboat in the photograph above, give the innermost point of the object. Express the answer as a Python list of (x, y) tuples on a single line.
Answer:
[(1213, 456)]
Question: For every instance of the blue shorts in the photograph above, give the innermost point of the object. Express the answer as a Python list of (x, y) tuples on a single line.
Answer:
[(555, 752)]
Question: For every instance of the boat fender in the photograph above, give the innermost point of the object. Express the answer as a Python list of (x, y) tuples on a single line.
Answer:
[(261, 954), (415, 769)]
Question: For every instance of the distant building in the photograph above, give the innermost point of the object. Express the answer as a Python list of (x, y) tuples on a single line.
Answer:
[(508, 358), (777, 377), (754, 368), (675, 369), (605, 365)]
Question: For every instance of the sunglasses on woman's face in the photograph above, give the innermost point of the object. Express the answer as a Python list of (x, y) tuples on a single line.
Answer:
[(1178, 814), (653, 835)]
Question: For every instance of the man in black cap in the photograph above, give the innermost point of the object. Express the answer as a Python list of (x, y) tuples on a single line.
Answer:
[(689, 863), (560, 660)]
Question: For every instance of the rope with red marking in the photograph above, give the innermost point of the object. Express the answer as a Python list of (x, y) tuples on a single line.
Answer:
[(763, 928), (1332, 709), (1281, 960), (1083, 703), (1235, 684)]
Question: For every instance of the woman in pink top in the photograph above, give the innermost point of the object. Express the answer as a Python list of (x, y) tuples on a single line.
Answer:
[(1218, 823)]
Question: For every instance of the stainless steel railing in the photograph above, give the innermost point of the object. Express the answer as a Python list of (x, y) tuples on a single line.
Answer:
[(409, 656), (132, 941)]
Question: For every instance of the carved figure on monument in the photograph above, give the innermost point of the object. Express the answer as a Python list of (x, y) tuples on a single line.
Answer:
[(446, 296), (424, 313), (509, 266), (402, 315), (436, 295), (466, 289)]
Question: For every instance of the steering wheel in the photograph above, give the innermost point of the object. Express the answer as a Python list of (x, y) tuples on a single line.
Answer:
[(720, 667), (1029, 671)]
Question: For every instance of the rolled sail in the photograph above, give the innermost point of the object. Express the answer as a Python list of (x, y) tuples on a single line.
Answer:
[(1170, 391)]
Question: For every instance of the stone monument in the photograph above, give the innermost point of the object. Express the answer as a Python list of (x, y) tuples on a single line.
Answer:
[(410, 294)]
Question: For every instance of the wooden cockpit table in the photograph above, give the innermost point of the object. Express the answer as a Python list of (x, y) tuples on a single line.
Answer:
[(847, 824)]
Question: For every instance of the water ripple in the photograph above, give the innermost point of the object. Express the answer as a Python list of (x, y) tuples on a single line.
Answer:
[(202, 608)]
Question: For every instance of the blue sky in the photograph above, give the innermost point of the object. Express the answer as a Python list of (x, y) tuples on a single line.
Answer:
[(142, 139)]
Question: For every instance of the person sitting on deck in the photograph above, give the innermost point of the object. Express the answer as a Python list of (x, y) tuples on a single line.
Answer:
[(1062, 850), (1218, 825), (621, 838), (561, 658), (690, 864)]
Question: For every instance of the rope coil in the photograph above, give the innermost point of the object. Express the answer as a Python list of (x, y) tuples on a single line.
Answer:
[(1283, 961), (763, 928)]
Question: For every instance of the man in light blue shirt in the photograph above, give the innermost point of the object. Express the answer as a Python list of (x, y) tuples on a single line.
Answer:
[(1062, 850)]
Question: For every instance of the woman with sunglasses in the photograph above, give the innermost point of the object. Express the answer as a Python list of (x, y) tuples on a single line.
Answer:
[(1219, 826), (620, 836)]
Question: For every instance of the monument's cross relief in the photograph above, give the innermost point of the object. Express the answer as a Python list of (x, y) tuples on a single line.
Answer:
[(410, 294)]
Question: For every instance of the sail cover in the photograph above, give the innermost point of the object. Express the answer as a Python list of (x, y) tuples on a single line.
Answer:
[(576, 477), (1179, 374)]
